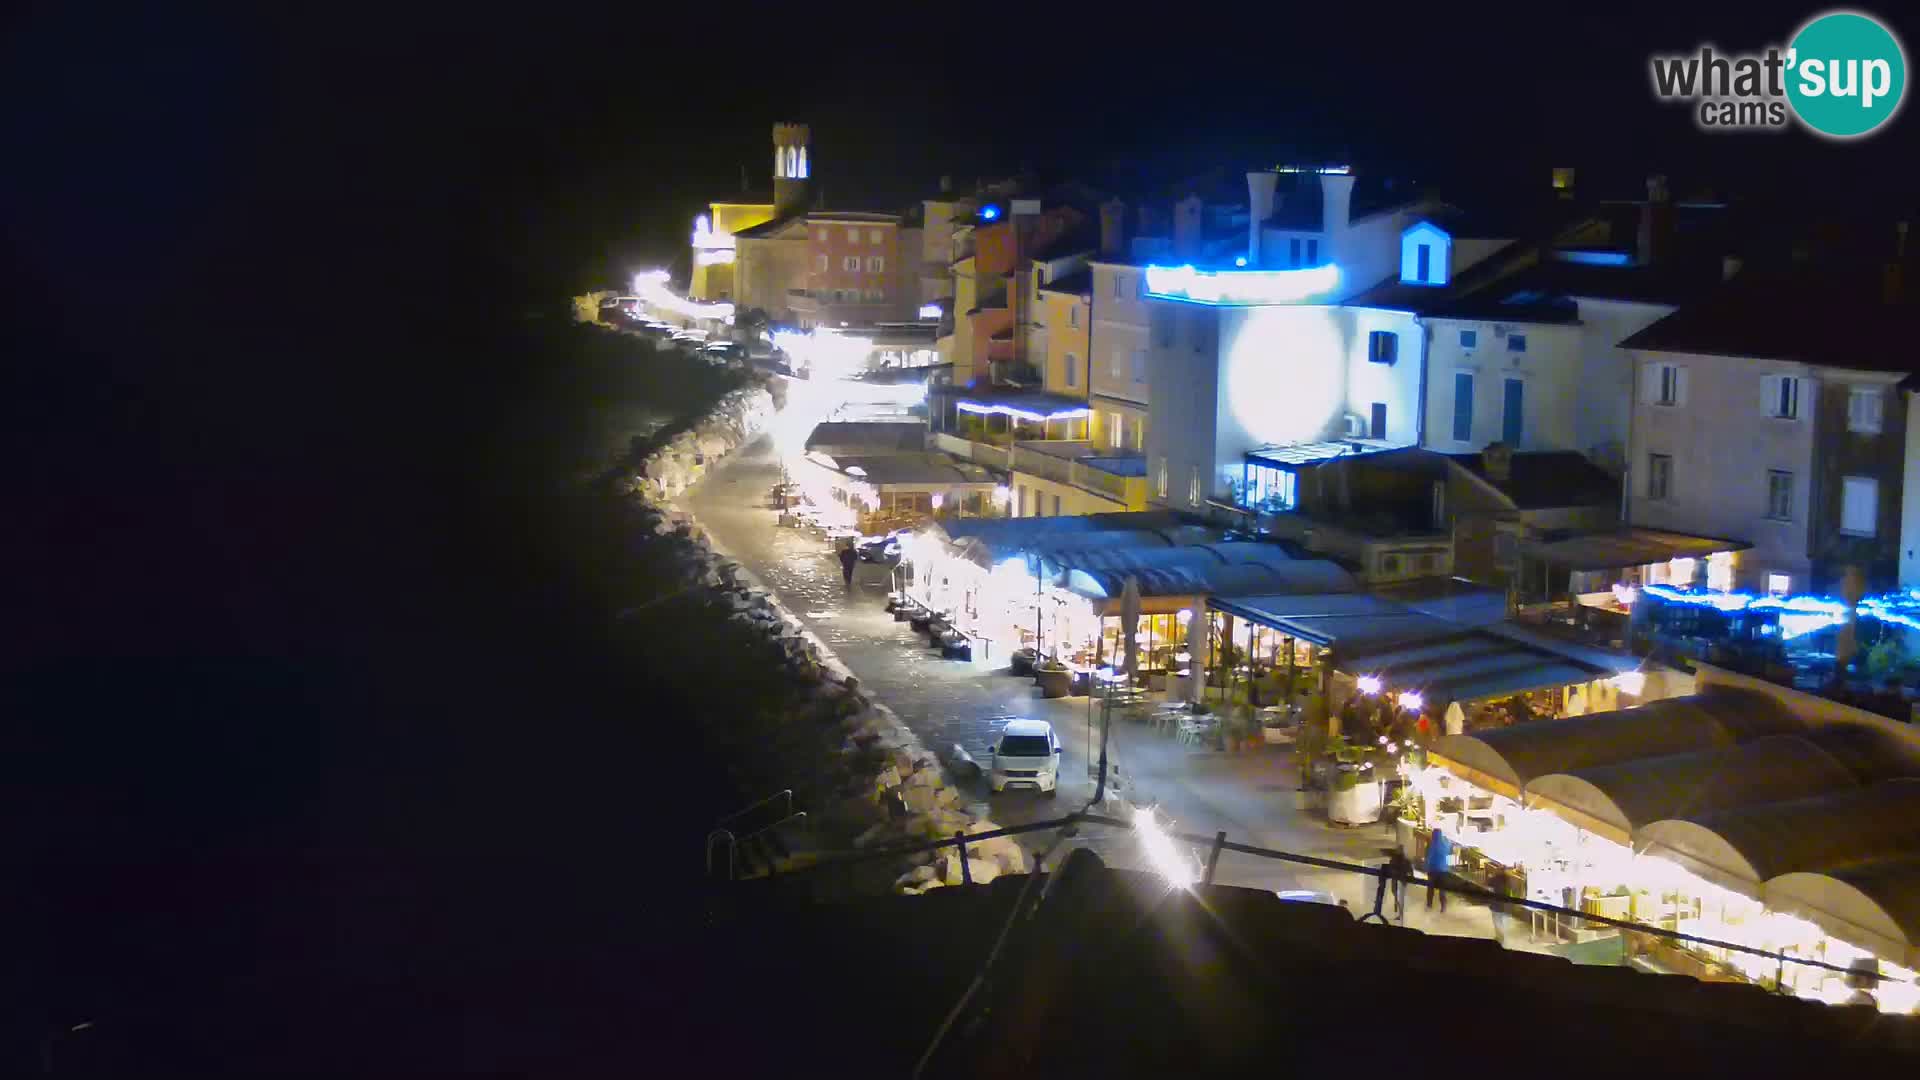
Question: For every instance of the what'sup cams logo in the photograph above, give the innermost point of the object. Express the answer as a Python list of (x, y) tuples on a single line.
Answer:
[(1843, 75)]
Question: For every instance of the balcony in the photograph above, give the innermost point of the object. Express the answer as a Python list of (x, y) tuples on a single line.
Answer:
[(1120, 477)]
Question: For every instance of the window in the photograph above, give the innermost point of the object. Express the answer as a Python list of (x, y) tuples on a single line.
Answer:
[(1383, 346), (1463, 406), (1160, 478), (1779, 584), (1780, 397), (1116, 370), (1516, 343), (1193, 487), (1313, 252), (1659, 476), (1293, 251), (850, 263), (1428, 563), (1073, 366), (1779, 495), (1864, 405), (1117, 429), (1163, 326), (1140, 287), (874, 237), (1056, 506), (820, 262), (1666, 384), (1140, 367), (853, 236), (1073, 316), (1423, 261), (1389, 564), (1119, 284), (1860, 505), (1469, 338), (876, 295), (876, 264), (1377, 420), (820, 235), (1512, 410)]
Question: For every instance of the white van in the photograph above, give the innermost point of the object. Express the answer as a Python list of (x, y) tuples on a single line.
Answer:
[(1025, 754)]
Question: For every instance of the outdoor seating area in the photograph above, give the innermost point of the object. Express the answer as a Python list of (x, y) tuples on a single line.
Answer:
[(1725, 815)]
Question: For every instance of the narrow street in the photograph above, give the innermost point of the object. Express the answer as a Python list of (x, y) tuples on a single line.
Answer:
[(1249, 795)]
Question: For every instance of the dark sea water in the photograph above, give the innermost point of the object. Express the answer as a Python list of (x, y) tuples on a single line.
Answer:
[(356, 774)]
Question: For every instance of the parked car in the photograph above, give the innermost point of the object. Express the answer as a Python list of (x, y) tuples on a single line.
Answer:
[(1026, 753), (880, 549)]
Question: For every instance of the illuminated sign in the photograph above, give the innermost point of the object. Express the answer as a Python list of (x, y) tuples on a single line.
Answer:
[(1242, 287), (982, 409), (929, 311), (989, 213)]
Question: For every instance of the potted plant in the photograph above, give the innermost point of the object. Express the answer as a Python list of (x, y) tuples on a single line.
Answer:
[(1354, 796), (1053, 678), (1279, 727)]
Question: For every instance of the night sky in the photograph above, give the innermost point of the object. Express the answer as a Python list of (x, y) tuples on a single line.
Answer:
[(267, 279)]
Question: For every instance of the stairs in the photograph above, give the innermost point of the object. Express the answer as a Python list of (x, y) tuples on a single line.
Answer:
[(754, 841)]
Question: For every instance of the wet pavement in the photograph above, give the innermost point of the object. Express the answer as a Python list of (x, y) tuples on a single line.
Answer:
[(1248, 794)]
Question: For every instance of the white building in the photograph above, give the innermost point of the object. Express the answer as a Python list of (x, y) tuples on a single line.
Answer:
[(1769, 413)]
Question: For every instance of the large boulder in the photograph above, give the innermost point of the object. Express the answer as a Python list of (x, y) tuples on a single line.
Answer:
[(920, 799)]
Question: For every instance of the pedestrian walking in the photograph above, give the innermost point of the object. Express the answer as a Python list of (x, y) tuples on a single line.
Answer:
[(1500, 883), (1399, 872), (1439, 861), (847, 560)]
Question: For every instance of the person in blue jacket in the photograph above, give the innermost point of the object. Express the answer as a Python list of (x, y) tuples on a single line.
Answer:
[(1439, 861)]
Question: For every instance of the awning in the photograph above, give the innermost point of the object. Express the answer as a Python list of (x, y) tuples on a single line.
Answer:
[(1744, 848), (1874, 906), (1627, 796), (1469, 666), (1626, 547), (1515, 756), (1350, 620)]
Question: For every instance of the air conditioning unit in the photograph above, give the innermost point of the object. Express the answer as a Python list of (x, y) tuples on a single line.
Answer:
[(1356, 426)]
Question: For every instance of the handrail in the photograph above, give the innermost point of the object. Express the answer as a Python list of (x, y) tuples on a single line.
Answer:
[(800, 815), (785, 793), (733, 845), (1219, 841)]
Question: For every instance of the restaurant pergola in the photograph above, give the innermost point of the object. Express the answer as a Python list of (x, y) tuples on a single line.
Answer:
[(1724, 815)]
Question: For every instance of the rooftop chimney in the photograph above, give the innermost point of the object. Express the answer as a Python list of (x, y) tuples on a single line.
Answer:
[(1186, 226), (1260, 187), (1113, 228), (1336, 206), (1656, 221), (1497, 459)]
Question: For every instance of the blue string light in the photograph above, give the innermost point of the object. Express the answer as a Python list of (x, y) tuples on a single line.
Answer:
[(1798, 615)]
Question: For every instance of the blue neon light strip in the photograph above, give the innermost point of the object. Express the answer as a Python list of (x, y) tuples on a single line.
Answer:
[(1242, 287), (1800, 615)]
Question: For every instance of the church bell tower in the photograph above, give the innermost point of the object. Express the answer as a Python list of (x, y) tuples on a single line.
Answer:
[(791, 169)]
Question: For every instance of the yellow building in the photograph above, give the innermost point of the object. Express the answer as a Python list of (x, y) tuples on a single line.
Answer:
[(714, 248), (1063, 306)]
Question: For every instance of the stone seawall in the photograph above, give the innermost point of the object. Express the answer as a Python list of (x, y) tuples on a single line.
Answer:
[(866, 780)]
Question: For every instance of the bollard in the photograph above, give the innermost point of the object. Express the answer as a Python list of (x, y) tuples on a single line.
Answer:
[(1213, 857), (966, 872)]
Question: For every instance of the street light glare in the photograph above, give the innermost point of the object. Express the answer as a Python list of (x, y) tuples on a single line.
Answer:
[(1162, 853), (1369, 684)]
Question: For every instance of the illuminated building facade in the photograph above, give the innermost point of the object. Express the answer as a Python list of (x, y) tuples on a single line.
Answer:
[(715, 249)]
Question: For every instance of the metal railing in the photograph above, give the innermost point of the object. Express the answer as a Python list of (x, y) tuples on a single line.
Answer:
[(722, 833), (1218, 843)]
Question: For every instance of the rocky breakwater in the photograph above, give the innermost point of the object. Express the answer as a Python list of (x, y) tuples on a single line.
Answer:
[(864, 778)]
